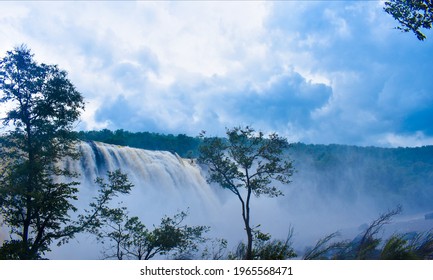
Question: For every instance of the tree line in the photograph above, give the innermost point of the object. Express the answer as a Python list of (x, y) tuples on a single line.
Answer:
[(185, 146)]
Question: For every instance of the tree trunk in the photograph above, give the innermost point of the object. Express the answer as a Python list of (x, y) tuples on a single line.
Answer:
[(29, 187), (246, 218), (249, 252)]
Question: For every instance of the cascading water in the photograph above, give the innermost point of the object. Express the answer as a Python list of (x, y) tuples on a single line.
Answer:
[(161, 179), (164, 184)]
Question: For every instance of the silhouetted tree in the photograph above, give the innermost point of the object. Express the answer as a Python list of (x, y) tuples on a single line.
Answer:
[(413, 15), (129, 238), (44, 105), (247, 163), (36, 193)]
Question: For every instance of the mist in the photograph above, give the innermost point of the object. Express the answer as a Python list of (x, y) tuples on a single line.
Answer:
[(324, 196)]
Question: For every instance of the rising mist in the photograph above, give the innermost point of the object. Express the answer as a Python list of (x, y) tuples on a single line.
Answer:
[(334, 188)]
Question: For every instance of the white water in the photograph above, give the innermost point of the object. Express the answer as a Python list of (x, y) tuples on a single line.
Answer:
[(164, 184), (163, 181)]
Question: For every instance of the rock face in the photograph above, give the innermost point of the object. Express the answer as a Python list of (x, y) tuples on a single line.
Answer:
[(429, 216)]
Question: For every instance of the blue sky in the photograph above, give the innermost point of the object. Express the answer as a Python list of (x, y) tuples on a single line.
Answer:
[(313, 71)]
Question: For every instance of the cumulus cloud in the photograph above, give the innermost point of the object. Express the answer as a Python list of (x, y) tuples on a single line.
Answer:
[(315, 71), (287, 99), (376, 74)]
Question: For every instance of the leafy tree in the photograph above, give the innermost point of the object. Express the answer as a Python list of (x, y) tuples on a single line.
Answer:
[(246, 163), (129, 238), (172, 236), (118, 183), (44, 106), (36, 194), (412, 15), (116, 232)]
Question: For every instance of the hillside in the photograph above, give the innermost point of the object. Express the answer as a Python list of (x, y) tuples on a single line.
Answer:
[(386, 176)]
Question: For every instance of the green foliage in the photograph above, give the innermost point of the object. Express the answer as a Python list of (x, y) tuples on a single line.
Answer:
[(369, 242), (183, 145), (400, 175), (36, 195), (422, 245), (266, 248), (323, 249), (246, 162), (15, 250), (408, 247), (96, 215), (412, 15), (368, 245), (129, 238), (396, 248), (217, 250), (44, 105)]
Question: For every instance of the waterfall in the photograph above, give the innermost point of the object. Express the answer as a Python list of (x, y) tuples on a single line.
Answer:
[(164, 184), (161, 179)]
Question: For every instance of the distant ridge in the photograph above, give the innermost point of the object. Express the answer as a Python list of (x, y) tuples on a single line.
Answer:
[(389, 175)]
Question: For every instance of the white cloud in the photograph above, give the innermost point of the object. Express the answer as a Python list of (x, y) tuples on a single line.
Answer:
[(341, 27), (418, 139), (188, 66)]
